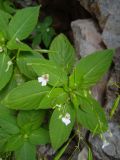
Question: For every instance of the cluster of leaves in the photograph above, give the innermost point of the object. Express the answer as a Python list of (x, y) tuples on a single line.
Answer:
[(24, 102), (7, 6), (44, 32)]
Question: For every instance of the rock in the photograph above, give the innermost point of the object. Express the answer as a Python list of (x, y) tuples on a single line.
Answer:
[(45, 151), (101, 9), (111, 32), (83, 154), (107, 13), (25, 3), (98, 9), (113, 86), (112, 150), (86, 37), (116, 60)]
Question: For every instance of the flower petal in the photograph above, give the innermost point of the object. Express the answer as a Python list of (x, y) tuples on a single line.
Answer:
[(40, 79), (44, 83), (66, 121)]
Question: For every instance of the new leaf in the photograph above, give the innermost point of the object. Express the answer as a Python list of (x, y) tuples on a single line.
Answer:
[(91, 115), (64, 55), (90, 69)]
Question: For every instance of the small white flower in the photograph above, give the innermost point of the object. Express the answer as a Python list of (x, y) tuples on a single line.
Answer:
[(67, 115), (105, 144), (66, 119), (9, 63), (1, 49), (43, 79)]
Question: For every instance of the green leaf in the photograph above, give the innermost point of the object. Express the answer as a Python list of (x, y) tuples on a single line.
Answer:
[(48, 21), (5, 71), (30, 120), (91, 115), (44, 32), (91, 68), (64, 55), (3, 139), (55, 96), (22, 61), (19, 78), (12, 84), (14, 143), (18, 45), (1, 4), (37, 40), (9, 7), (26, 152), (15, 80), (57, 76), (47, 36), (40, 136), (59, 132), (26, 96), (4, 18), (23, 23), (8, 121)]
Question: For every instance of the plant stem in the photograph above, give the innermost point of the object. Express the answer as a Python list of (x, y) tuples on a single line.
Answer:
[(44, 51)]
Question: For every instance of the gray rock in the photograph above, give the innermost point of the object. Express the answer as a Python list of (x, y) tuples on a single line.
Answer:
[(83, 155), (26, 3), (112, 150), (45, 152), (108, 14), (112, 90), (111, 32), (102, 9), (99, 8), (86, 37)]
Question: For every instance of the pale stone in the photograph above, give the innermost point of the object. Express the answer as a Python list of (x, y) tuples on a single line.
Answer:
[(107, 12), (83, 154), (86, 37)]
